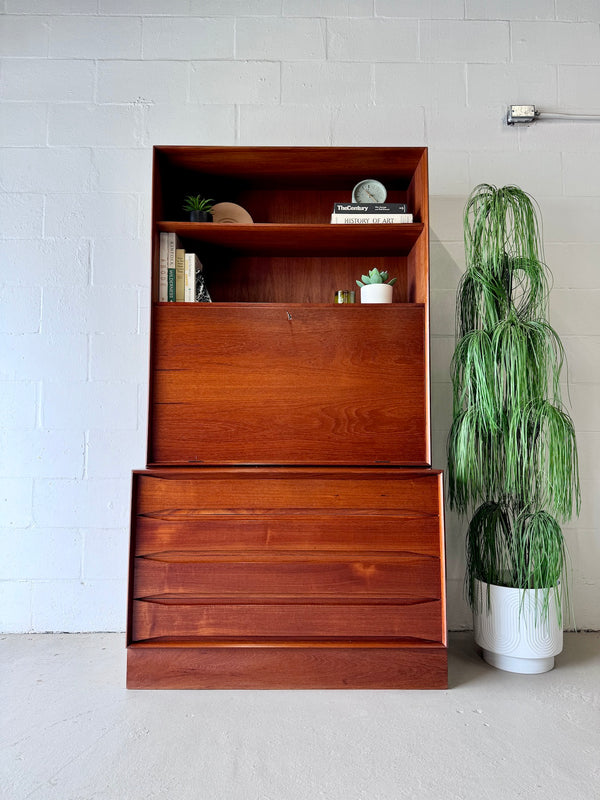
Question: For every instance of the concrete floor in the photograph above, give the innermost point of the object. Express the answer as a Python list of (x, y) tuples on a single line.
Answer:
[(70, 731)]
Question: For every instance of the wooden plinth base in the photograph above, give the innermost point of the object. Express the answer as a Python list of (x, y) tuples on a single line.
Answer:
[(286, 666)]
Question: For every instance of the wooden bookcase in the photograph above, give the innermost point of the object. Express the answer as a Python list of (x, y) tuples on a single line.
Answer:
[(287, 531)]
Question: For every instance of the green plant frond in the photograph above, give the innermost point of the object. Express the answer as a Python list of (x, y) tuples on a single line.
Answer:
[(549, 355), (473, 375), (522, 549), (529, 288), (488, 549), (540, 557), (547, 471), (482, 301), (537, 550), (529, 358), (474, 459), (197, 203), (499, 222), (468, 304), (511, 351), (481, 239)]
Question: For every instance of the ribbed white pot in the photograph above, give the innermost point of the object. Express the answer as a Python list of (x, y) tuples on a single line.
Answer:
[(513, 634), (376, 293)]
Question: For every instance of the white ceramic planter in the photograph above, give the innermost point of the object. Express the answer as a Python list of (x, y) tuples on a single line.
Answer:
[(513, 635), (376, 293)]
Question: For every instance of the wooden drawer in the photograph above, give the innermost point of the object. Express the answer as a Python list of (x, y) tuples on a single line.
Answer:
[(180, 618), (174, 493), (276, 384), (293, 576), (164, 532)]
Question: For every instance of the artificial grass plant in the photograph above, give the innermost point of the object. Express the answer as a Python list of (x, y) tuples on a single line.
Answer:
[(512, 455)]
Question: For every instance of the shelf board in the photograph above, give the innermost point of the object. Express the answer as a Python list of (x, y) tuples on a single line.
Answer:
[(299, 239), (383, 308)]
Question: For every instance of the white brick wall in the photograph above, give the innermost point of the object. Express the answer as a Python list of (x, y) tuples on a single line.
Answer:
[(78, 36), (88, 86), (276, 39), (235, 82)]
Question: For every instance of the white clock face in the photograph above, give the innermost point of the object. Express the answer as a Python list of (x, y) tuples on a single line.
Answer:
[(369, 191)]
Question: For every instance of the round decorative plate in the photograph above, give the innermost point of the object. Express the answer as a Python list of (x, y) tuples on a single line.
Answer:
[(231, 212)]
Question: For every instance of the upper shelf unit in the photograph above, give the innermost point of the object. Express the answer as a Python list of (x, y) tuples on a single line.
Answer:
[(289, 193)]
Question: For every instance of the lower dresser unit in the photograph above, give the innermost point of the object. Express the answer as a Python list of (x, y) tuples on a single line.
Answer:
[(278, 578)]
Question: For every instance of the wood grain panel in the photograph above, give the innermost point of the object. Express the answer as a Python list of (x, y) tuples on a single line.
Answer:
[(234, 278), (268, 531), (309, 666), (192, 492), (266, 384), (202, 619), (275, 238), (410, 577), (294, 166)]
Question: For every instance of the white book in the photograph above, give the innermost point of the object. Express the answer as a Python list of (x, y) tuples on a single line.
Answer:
[(192, 267), (163, 268), (370, 219)]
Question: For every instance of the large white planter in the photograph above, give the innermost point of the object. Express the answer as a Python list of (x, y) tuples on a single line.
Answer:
[(512, 633), (376, 293)]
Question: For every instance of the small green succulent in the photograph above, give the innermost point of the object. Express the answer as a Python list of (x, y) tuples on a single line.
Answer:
[(197, 203), (375, 276)]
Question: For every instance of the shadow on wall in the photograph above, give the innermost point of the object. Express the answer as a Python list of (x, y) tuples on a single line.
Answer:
[(447, 266)]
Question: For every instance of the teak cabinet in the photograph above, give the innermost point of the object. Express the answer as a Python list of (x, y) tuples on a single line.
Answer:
[(287, 531)]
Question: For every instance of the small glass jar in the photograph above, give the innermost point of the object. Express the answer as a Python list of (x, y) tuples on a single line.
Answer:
[(343, 296)]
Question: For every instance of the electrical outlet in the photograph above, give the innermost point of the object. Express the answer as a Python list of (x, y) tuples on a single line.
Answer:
[(520, 114)]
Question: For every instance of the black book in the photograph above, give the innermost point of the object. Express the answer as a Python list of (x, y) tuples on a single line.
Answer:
[(369, 208)]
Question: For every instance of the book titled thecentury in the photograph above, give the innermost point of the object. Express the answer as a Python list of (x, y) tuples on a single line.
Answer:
[(368, 213), (369, 208)]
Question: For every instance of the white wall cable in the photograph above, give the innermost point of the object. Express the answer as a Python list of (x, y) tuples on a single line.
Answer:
[(528, 113), (574, 117)]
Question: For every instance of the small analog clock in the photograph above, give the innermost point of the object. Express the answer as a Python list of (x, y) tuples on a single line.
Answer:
[(369, 191)]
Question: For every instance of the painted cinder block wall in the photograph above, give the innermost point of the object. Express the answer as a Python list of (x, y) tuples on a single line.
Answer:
[(88, 86)]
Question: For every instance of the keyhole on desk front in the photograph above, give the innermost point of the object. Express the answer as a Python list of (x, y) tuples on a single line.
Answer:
[(289, 315)]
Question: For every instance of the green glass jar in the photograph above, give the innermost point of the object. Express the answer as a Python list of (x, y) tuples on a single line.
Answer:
[(343, 296)]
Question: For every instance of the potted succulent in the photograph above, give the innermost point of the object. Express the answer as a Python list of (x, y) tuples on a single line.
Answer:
[(199, 208), (512, 456), (376, 287)]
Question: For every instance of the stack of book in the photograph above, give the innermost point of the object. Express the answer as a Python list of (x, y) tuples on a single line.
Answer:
[(180, 278), (365, 213)]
